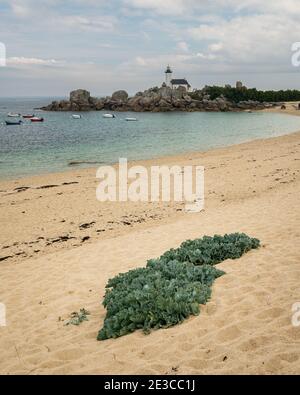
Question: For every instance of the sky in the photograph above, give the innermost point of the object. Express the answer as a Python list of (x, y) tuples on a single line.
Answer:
[(55, 46)]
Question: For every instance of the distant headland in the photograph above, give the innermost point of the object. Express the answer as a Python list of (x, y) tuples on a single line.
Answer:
[(177, 95)]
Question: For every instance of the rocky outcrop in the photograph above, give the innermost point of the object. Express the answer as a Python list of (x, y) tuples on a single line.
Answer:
[(120, 96), (162, 99), (252, 105), (80, 97), (80, 100)]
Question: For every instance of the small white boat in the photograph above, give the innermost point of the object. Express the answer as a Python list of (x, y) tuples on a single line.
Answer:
[(131, 119), (12, 115), (108, 116), (75, 116)]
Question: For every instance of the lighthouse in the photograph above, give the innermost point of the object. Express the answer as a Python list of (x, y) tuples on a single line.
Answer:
[(169, 74)]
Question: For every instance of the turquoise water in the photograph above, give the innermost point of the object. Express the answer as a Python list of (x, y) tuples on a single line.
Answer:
[(50, 146)]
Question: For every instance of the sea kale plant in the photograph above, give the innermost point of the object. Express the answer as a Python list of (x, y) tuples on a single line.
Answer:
[(78, 318), (212, 250), (171, 288)]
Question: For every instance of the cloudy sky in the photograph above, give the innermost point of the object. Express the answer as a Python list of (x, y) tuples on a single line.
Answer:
[(54, 46)]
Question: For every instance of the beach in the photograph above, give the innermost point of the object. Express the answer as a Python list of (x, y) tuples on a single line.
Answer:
[(291, 109), (59, 246)]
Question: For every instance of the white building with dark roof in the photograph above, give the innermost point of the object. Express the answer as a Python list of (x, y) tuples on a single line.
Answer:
[(176, 83)]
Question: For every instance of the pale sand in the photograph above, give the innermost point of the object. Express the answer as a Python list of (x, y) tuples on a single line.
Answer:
[(246, 328), (291, 109)]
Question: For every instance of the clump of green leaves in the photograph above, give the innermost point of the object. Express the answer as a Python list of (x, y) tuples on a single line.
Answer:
[(78, 318), (212, 250), (158, 296), (169, 289)]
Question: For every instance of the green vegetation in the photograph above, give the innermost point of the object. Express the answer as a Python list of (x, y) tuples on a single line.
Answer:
[(244, 94), (158, 296), (171, 288), (212, 250), (78, 318)]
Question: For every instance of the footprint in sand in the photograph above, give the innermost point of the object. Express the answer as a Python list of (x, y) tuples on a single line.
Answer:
[(229, 333), (69, 354), (254, 343), (289, 357), (271, 313)]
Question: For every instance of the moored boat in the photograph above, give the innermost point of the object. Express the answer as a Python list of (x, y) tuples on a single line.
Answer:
[(36, 119), (28, 116), (76, 116), (108, 116), (8, 123), (131, 119), (13, 115)]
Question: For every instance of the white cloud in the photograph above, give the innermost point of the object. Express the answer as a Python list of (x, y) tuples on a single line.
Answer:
[(188, 7), (216, 47), (197, 38), (49, 15), (19, 9), (252, 35), (183, 46), (140, 61), (249, 39), (22, 61), (205, 56), (31, 8), (90, 24), (182, 64), (164, 7)]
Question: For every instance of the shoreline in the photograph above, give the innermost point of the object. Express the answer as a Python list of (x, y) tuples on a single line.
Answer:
[(71, 216), (159, 160), (74, 168), (245, 328), (290, 109)]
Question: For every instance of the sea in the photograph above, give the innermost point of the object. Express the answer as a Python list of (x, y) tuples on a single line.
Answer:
[(62, 143)]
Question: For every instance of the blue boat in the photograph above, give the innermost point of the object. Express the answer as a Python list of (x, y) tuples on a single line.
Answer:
[(13, 123)]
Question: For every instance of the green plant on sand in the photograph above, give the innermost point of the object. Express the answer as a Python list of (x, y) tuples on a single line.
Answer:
[(171, 288), (78, 318)]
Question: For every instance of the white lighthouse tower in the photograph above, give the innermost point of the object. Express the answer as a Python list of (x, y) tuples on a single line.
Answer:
[(169, 74)]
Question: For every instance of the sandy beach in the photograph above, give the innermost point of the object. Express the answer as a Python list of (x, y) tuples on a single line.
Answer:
[(59, 246), (149, 190), (291, 109)]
